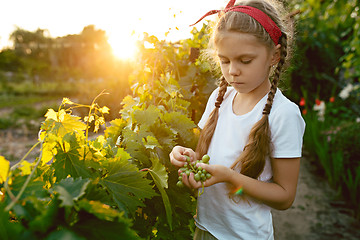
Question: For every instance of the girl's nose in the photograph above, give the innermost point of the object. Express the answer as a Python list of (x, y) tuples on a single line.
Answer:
[(234, 69)]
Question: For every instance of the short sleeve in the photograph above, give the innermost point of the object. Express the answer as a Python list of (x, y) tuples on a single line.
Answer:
[(287, 131), (209, 108)]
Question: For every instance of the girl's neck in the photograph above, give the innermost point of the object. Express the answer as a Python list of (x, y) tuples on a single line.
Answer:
[(245, 102)]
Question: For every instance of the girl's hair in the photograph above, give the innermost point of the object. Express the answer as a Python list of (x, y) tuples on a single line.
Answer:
[(252, 159)]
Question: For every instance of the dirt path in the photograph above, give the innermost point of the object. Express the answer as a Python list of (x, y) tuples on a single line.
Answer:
[(312, 216)]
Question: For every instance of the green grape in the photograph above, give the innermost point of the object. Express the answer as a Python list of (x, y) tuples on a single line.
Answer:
[(200, 174), (197, 177), (180, 184), (205, 159)]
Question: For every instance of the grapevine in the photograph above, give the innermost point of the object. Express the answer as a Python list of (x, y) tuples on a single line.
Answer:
[(200, 174)]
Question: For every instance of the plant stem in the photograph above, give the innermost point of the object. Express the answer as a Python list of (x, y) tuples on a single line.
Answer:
[(13, 202)]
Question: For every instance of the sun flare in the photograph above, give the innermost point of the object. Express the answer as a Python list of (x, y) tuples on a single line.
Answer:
[(123, 47)]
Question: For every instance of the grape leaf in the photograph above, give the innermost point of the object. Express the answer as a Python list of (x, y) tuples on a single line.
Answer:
[(4, 169), (64, 234), (68, 160), (62, 123), (69, 163), (100, 210), (147, 116), (34, 187), (46, 219), (160, 176), (180, 123), (127, 185), (71, 190), (9, 229), (93, 228), (151, 142)]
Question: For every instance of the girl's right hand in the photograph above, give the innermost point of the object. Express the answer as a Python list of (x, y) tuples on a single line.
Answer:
[(177, 155)]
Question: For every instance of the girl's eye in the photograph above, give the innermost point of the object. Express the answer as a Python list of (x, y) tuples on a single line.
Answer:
[(224, 62), (246, 61)]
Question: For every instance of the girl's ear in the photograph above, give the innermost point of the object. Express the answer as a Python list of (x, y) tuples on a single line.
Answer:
[(276, 55)]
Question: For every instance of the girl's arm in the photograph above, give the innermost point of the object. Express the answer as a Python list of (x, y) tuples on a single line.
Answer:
[(279, 194)]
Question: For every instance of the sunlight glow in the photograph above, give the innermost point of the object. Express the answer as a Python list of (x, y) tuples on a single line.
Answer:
[(124, 47)]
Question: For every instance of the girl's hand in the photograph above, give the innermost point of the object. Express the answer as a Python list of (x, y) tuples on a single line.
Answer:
[(177, 155), (219, 173)]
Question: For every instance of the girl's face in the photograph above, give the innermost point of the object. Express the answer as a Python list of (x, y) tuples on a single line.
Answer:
[(245, 62)]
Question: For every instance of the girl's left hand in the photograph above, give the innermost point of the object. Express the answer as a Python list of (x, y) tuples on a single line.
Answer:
[(219, 173)]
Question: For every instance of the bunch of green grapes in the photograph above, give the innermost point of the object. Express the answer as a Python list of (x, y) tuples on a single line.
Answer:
[(199, 173)]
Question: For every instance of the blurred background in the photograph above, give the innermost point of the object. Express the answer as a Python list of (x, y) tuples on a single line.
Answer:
[(77, 49)]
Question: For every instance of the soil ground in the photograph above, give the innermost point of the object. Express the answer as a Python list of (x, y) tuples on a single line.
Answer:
[(315, 215)]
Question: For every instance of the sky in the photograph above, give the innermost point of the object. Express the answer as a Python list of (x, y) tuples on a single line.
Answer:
[(123, 20)]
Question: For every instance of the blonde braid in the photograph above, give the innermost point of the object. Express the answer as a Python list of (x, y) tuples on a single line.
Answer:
[(208, 131), (276, 77)]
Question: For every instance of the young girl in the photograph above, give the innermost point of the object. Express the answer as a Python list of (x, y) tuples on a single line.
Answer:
[(251, 131)]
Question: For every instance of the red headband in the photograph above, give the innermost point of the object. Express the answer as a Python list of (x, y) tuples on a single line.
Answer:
[(268, 24)]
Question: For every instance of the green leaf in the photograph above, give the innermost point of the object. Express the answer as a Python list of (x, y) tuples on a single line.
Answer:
[(158, 172), (122, 154), (115, 129), (100, 210), (147, 116), (62, 123), (34, 188), (64, 234), (8, 229), (46, 219), (71, 190), (134, 146), (160, 176), (164, 135), (69, 162), (180, 123), (127, 185), (93, 228), (151, 142)]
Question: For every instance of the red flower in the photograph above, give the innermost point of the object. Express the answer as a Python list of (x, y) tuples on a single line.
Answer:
[(332, 99), (304, 111), (318, 102), (302, 102)]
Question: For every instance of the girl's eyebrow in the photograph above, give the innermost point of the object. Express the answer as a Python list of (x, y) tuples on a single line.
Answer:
[(239, 56)]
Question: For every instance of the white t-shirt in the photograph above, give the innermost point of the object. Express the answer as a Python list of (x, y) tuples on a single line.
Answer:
[(216, 212)]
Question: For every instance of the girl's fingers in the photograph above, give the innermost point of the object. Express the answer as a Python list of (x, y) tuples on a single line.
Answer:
[(189, 152), (185, 180)]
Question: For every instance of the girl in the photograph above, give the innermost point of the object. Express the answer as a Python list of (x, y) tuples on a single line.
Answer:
[(251, 131)]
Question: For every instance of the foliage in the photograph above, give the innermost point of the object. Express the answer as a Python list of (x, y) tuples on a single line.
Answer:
[(332, 137), (118, 182), (326, 47)]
